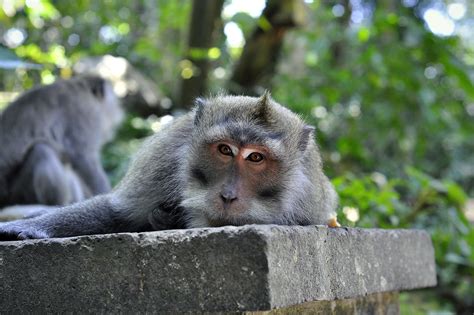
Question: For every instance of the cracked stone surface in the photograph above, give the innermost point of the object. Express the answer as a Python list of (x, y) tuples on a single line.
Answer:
[(228, 269)]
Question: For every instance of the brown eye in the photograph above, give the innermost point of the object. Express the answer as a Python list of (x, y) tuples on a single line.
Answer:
[(225, 149), (255, 157)]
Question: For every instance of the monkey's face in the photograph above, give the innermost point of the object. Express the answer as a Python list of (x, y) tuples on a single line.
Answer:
[(238, 171), (234, 184), (244, 159)]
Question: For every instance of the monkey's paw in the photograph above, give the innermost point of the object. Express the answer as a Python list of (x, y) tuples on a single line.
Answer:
[(20, 230)]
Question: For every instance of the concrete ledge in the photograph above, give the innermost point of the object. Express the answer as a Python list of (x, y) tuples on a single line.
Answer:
[(377, 303), (229, 269)]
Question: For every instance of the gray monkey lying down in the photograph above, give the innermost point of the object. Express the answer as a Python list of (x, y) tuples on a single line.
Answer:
[(233, 160)]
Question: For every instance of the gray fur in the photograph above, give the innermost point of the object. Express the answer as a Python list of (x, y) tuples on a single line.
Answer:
[(24, 211), (51, 138), (170, 178)]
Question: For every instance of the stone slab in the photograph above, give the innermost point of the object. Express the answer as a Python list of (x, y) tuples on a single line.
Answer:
[(385, 303), (228, 269)]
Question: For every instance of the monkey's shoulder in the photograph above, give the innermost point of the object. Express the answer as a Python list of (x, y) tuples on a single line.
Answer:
[(179, 128)]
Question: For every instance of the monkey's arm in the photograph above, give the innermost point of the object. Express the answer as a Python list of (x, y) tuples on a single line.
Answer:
[(91, 172), (95, 216), (19, 212)]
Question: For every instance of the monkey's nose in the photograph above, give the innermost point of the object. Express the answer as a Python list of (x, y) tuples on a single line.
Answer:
[(228, 196)]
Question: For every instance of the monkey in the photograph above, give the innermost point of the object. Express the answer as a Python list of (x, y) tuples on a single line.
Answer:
[(16, 212), (232, 160), (51, 138)]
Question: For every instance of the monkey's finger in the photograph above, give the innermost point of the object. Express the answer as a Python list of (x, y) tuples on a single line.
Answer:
[(8, 236)]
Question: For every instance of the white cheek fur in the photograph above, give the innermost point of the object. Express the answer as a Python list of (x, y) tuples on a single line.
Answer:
[(246, 152), (234, 149)]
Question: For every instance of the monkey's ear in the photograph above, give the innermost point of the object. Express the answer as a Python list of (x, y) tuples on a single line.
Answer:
[(263, 106), (97, 85), (306, 134), (199, 104)]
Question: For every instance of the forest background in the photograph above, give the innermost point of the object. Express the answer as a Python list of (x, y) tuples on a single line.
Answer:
[(388, 84)]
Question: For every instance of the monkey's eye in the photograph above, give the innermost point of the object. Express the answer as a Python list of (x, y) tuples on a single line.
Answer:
[(225, 149), (255, 157)]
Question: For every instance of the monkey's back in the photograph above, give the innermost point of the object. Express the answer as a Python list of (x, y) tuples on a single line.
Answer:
[(51, 114), (154, 179)]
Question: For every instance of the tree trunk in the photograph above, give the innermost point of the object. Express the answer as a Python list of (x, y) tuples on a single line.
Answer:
[(259, 57), (338, 47), (205, 16)]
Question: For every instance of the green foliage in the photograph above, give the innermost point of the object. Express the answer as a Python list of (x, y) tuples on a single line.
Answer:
[(395, 95), (58, 33), (116, 156), (417, 201), (422, 303)]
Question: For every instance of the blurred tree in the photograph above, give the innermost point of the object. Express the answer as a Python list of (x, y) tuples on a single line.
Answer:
[(343, 17), (57, 34), (259, 58), (203, 26)]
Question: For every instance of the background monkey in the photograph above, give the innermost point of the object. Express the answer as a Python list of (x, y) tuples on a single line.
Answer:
[(233, 160), (50, 141)]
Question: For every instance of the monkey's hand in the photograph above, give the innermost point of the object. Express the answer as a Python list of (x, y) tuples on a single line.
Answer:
[(21, 230)]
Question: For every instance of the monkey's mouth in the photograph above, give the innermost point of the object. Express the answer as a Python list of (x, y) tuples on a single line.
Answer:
[(224, 222), (219, 222)]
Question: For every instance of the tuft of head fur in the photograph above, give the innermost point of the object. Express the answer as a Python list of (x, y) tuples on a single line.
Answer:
[(250, 113)]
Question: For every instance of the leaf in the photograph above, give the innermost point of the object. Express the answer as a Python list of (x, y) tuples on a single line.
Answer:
[(456, 259), (363, 35), (455, 193)]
